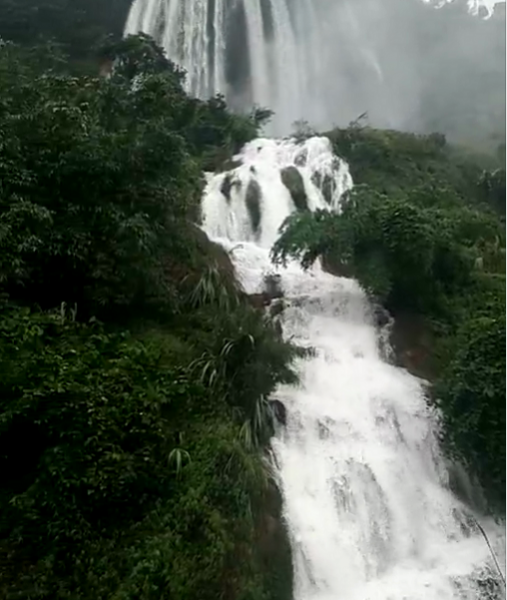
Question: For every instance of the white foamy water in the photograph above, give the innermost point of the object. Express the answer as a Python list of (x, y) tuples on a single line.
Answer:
[(366, 494), (318, 60)]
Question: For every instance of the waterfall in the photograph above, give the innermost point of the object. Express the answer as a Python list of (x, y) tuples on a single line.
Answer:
[(244, 49), (366, 494), (323, 61)]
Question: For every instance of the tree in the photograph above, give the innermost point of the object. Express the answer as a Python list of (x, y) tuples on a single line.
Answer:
[(471, 396), (99, 177), (78, 25), (405, 254), (120, 330)]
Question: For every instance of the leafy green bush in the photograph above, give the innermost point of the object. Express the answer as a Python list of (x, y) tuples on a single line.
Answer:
[(92, 458), (244, 356), (136, 451), (99, 178), (131, 449), (76, 24), (405, 254), (426, 167), (471, 396)]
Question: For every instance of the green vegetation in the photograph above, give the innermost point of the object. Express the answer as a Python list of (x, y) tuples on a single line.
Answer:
[(135, 375), (78, 25), (423, 231), (472, 396)]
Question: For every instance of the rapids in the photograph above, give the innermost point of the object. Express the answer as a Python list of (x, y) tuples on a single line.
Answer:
[(366, 491)]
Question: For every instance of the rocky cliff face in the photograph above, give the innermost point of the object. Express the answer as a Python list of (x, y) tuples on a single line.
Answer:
[(274, 545)]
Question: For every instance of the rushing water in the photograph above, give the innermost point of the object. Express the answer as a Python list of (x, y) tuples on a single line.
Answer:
[(314, 60), (366, 493)]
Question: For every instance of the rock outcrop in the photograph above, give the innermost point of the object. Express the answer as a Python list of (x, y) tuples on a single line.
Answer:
[(272, 291), (253, 203), (326, 185), (293, 181)]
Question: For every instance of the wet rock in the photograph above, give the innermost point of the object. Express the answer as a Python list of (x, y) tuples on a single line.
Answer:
[(227, 184), (293, 181), (381, 316), (215, 254), (279, 328), (326, 185), (273, 544), (272, 291), (277, 308), (253, 203), (260, 300), (279, 411), (465, 486), (324, 430), (273, 286), (465, 521), (412, 342)]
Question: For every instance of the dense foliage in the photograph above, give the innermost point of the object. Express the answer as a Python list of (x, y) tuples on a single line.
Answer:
[(135, 375), (406, 254), (423, 231), (472, 397), (76, 24), (104, 175)]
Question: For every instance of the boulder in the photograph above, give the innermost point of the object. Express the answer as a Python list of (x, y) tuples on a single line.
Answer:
[(293, 181), (260, 300), (229, 164), (277, 308), (272, 291), (273, 286)]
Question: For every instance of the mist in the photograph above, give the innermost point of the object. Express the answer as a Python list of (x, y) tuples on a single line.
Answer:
[(414, 65), (411, 66)]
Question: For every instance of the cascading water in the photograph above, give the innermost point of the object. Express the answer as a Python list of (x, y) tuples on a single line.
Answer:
[(246, 50), (324, 61), (366, 495)]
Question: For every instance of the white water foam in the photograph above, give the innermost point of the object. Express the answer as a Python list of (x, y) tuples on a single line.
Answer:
[(366, 494)]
